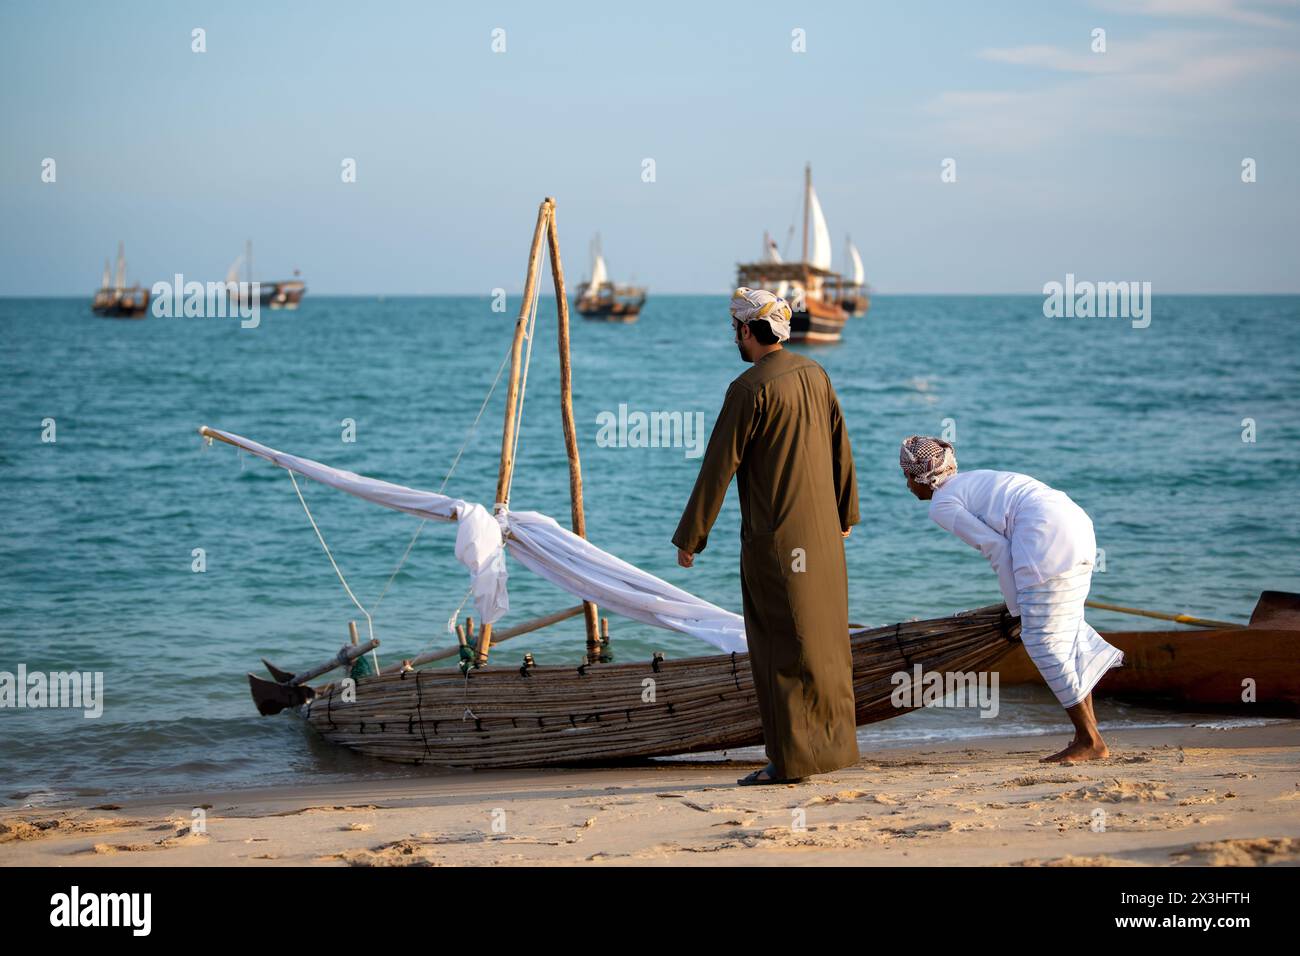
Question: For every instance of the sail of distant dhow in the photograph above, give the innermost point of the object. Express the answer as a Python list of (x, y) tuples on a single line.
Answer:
[(772, 254), (853, 297)]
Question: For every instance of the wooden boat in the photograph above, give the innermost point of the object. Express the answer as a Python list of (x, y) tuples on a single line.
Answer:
[(817, 317), (534, 716), (599, 298), (117, 301), (1202, 668), (528, 715), (278, 294)]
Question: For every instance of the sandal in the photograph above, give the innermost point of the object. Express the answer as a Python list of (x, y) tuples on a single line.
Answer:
[(756, 779)]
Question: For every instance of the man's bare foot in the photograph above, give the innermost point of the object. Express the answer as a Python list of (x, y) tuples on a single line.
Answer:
[(1078, 751)]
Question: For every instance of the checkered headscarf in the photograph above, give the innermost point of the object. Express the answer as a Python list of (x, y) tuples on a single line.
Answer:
[(928, 461)]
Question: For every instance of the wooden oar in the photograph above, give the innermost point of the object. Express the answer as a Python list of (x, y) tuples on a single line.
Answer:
[(1160, 615)]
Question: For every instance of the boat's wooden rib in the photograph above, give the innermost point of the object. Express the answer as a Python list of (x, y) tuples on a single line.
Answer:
[(498, 717)]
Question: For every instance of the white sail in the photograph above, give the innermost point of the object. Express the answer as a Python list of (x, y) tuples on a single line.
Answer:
[(819, 248), (599, 274), (770, 252), (121, 268), (535, 541), (855, 264), (107, 276), (232, 274)]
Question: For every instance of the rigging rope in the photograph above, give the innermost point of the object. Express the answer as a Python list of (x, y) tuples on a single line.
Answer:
[(532, 327), (446, 478), (519, 414), (370, 624)]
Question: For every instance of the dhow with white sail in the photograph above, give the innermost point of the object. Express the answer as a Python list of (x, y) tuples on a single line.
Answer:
[(599, 298), (812, 285)]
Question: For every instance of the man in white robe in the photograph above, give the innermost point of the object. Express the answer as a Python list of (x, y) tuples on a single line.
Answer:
[(1041, 545)]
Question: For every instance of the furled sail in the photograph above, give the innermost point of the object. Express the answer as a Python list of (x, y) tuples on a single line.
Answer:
[(104, 283), (770, 252), (232, 274), (535, 541), (819, 251), (855, 264), (121, 268)]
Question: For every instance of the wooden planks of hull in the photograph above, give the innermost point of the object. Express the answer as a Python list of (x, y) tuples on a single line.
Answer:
[(498, 717)]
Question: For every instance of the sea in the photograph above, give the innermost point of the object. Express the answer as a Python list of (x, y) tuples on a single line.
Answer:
[(132, 549)]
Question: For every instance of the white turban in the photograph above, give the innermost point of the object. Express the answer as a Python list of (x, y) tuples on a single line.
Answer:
[(928, 461), (750, 304)]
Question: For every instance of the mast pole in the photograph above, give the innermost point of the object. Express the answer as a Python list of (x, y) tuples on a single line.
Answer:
[(512, 394), (589, 609), (807, 192), (807, 197)]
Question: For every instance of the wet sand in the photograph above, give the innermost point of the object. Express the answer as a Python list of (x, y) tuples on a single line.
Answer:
[(1186, 797)]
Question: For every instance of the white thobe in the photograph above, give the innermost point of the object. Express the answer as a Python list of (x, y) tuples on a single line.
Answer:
[(1028, 531), (1042, 546)]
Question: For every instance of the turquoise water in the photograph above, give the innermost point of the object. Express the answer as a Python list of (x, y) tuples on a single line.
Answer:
[(1143, 427)]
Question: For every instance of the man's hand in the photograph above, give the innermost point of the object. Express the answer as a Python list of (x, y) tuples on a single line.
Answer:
[(846, 532), (685, 558)]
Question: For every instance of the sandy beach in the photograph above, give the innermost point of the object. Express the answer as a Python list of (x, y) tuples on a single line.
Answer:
[(1188, 797)]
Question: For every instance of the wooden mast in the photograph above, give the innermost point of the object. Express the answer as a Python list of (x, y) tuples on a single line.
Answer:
[(566, 412), (807, 195), (512, 394)]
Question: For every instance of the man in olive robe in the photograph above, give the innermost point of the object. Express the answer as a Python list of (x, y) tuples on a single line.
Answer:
[(781, 432)]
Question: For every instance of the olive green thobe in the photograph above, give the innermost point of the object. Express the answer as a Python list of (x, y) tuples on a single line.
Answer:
[(782, 434)]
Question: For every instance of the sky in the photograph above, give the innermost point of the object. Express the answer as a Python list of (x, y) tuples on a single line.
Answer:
[(1116, 165)]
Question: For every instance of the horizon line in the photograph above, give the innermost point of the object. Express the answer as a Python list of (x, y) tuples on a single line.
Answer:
[(488, 295)]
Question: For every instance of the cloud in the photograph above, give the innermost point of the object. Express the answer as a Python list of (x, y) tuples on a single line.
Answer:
[(1235, 11), (1050, 58), (1145, 86)]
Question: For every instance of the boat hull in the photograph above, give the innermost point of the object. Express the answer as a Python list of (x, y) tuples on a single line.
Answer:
[(1193, 669), (282, 295), (604, 312), (819, 323), (130, 304), (500, 717), (855, 305)]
